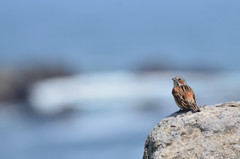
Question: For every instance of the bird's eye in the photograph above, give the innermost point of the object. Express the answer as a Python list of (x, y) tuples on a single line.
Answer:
[(179, 79)]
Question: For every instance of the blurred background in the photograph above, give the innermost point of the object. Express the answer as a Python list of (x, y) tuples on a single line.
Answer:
[(90, 79)]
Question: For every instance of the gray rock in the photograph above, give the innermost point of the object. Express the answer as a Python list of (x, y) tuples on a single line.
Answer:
[(213, 133)]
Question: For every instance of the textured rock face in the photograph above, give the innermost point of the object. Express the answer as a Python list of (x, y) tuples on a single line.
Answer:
[(213, 133)]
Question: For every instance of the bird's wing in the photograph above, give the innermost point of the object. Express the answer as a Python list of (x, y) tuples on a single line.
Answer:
[(190, 98), (179, 96), (185, 96)]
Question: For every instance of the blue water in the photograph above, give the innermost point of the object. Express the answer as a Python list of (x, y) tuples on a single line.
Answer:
[(111, 134), (106, 128)]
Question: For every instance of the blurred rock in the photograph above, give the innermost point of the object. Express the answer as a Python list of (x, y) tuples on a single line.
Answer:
[(212, 133), (155, 65), (14, 84)]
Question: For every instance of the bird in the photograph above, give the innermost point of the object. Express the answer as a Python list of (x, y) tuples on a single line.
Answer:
[(184, 95)]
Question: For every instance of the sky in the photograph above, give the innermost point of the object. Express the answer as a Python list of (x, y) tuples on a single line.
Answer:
[(113, 34)]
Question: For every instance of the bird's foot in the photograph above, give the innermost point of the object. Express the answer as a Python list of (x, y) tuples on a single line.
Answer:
[(181, 110)]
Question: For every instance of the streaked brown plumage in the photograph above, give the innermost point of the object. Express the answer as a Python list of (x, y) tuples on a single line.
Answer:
[(184, 95)]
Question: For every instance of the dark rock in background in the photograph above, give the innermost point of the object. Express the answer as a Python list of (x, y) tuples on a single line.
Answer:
[(14, 84)]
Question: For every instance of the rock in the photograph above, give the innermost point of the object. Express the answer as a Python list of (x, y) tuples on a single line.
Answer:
[(212, 133), (14, 84)]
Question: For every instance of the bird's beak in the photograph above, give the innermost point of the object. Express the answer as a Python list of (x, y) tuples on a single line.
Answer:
[(173, 79)]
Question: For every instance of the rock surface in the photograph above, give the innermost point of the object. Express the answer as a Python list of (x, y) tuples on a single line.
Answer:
[(212, 133)]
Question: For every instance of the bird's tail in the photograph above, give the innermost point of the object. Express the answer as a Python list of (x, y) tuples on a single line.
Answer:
[(196, 108)]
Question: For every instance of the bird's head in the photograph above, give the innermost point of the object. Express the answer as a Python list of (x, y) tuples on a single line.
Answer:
[(177, 81)]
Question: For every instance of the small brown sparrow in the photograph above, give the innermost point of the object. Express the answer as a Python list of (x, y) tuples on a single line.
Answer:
[(184, 95)]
